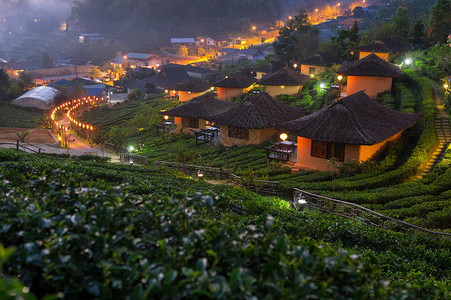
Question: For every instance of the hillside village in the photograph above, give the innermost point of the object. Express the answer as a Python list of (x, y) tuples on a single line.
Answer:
[(308, 157)]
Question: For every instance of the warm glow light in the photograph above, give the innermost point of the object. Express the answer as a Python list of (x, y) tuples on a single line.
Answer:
[(166, 91), (253, 27), (339, 77), (312, 75), (125, 57), (317, 9), (290, 17), (338, 4), (166, 117), (283, 136), (295, 66), (212, 88), (446, 86)]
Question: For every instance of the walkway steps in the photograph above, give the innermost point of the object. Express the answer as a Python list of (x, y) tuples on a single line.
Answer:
[(442, 129)]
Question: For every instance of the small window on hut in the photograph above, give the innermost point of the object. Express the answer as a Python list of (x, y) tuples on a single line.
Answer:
[(191, 123), (239, 133), (328, 150), (311, 70)]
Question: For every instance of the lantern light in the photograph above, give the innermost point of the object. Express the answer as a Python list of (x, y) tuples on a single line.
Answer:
[(322, 85), (283, 136), (339, 77), (166, 117)]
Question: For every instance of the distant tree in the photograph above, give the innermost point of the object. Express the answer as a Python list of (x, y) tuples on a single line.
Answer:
[(418, 37), (440, 21), (402, 23), (354, 35), (117, 136), (47, 60), (94, 73), (4, 84), (201, 51), (25, 81), (183, 51), (297, 39), (357, 12)]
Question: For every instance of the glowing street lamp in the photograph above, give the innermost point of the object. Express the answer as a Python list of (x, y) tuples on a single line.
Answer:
[(283, 136), (131, 149), (166, 117), (295, 66), (200, 175), (254, 27), (408, 61), (322, 85), (445, 86), (339, 77)]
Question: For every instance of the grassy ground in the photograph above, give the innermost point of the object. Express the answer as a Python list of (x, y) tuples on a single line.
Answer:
[(20, 117)]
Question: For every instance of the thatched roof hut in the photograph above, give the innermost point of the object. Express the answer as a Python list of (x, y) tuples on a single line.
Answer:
[(237, 80), (260, 111), (285, 77), (201, 107), (371, 65), (323, 59), (191, 85), (355, 119)]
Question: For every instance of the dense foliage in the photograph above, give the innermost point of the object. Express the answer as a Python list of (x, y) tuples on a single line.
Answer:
[(79, 230)]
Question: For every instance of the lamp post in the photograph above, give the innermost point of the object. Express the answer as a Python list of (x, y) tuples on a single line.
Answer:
[(283, 137)]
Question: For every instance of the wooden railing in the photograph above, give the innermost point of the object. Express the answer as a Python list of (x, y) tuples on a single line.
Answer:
[(357, 213), (264, 187)]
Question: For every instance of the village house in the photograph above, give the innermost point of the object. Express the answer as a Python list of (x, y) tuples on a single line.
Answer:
[(145, 86), (354, 128), (251, 54), (371, 73), (268, 68), (349, 22), (252, 121), (316, 64), (189, 89), (168, 75), (285, 81), (233, 85), (192, 115), (45, 76)]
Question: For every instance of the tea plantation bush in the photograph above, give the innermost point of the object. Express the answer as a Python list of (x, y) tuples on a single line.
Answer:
[(104, 231)]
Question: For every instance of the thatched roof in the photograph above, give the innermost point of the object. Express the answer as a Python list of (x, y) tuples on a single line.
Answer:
[(59, 72), (236, 80), (285, 76), (385, 45), (260, 111), (200, 107), (371, 65), (355, 119), (192, 85), (170, 75), (322, 59)]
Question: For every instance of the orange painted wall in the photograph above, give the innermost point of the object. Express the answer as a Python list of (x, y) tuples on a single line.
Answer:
[(305, 69), (256, 136), (225, 94), (186, 96), (371, 85), (352, 152), (384, 56), (178, 122), (275, 90)]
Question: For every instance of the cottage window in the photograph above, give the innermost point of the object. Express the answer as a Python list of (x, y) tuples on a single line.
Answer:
[(311, 71), (239, 133), (190, 122), (328, 150)]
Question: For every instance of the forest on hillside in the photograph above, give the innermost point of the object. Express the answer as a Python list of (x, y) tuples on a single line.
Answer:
[(156, 20)]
